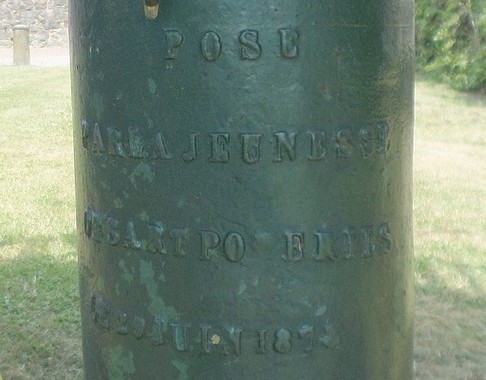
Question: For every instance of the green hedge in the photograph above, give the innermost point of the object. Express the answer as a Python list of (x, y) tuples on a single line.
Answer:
[(450, 38)]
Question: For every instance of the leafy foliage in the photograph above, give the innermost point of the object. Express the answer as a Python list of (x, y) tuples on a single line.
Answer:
[(450, 39)]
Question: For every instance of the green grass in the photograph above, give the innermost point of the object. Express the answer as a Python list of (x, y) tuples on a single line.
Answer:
[(450, 233), (39, 318)]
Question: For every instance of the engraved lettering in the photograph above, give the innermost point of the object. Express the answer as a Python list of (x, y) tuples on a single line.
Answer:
[(85, 133), (318, 148), (344, 146), (121, 322), (155, 243), (103, 311), (112, 234), (135, 143), (331, 337), (233, 344), (251, 49), (191, 154), (211, 46), (386, 240), (295, 246), (219, 143), (93, 225), (92, 307), (346, 243), (262, 341), (115, 144), (138, 327), (97, 145), (324, 246), (130, 240), (152, 237), (367, 245), (173, 40), (383, 137), (180, 236), (234, 247), (283, 341), (211, 339), (141, 143), (160, 148), (251, 147), (285, 142), (306, 333), (289, 43), (205, 339), (367, 140), (157, 335), (209, 242), (179, 335)]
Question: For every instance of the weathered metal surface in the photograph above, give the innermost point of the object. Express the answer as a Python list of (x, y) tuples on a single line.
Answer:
[(243, 176)]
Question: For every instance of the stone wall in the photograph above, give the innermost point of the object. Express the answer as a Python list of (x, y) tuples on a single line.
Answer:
[(47, 19)]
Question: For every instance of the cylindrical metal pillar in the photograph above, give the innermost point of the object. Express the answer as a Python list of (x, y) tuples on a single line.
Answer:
[(21, 45), (243, 177)]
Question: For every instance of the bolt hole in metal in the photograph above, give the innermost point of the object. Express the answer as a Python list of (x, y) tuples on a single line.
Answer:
[(151, 9)]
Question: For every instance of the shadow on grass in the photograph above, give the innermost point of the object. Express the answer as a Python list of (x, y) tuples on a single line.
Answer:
[(39, 311)]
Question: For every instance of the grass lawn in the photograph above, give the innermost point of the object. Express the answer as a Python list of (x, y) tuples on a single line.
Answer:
[(39, 318)]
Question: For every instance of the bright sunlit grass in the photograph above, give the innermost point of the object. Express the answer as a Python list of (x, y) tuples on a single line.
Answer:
[(39, 318)]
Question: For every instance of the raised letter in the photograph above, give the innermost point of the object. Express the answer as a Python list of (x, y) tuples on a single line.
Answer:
[(234, 247), (155, 243), (205, 339), (157, 335), (307, 333), (386, 240), (138, 327), (383, 137), (234, 344), (251, 147), (219, 152), (318, 149), (367, 141), (115, 144), (160, 149), (97, 145), (179, 334), (173, 39), (180, 236), (346, 243), (112, 234), (209, 242), (295, 246), (251, 49), (130, 240), (285, 141), (121, 322), (191, 154), (86, 133), (262, 341), (344, 147), (283, 341), (289, 40), (211, 46), (93, 225), (367, 245), (324, 246), (135, 143)]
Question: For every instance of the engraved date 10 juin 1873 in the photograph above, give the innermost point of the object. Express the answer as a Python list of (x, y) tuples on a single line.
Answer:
[(224, 339)]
